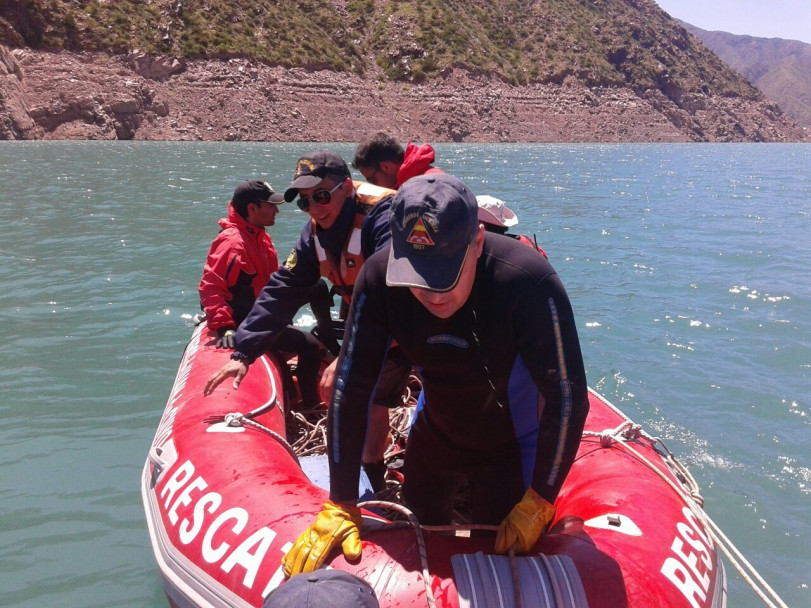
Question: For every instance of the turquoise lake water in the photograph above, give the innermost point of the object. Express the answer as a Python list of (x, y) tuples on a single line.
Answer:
[(687, 265)]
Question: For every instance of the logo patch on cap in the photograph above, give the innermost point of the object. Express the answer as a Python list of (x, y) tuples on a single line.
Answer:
[(304, 166), (419, 235)]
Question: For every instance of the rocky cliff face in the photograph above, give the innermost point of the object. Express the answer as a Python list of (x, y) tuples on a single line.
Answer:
[(330, 70), (63, 95)]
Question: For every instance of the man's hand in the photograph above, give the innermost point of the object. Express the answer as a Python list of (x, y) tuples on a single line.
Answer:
[(327, 381), (522, 528), (238, 369), (227, 339), (336, 524)]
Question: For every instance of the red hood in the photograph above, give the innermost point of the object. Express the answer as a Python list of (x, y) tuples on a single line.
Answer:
[(417, 161), (237, 221)]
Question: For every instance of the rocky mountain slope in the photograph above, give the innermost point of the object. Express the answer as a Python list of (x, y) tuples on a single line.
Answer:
[(320, 70), (780, 68)]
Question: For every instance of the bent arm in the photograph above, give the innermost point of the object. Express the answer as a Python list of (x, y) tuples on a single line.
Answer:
[(551, 347), (363, 351), (221, 264), (287, 290)]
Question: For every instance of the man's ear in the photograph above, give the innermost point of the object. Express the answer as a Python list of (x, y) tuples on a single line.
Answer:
[(389, 167), (251, 210), (478, 240), (348, 190)]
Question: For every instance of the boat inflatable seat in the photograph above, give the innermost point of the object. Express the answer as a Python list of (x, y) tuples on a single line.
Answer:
[(316, 467), (544, 581)]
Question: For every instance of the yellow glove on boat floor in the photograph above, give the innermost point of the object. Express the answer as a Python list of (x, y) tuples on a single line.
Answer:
[(334, 524), (524, 525)]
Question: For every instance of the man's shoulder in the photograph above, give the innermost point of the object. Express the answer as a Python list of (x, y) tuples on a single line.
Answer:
[(228, 236), (380, 209), (376, 222), (371, 199), (304, 245), (375, 266), (510, 253)]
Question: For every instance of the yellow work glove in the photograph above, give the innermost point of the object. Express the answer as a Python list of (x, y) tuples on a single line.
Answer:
[(522, 528), (335, 524)]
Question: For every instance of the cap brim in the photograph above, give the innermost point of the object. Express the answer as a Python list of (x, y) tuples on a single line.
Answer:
[(277, 198), (488, 217), (300, 183), (425, 272), (511, 219)]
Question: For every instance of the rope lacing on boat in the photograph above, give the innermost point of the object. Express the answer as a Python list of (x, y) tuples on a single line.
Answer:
[(627, 432), (238, 419)]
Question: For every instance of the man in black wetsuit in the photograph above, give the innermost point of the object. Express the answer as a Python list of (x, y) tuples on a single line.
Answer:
[(489, 324)]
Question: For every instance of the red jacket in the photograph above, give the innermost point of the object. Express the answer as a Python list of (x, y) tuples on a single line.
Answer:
[(240, 261), (417, 161)]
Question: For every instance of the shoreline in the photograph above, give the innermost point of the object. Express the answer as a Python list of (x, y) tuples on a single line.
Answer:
[(91, 96)]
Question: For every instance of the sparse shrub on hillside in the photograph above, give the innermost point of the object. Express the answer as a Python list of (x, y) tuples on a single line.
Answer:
[(610, 43)]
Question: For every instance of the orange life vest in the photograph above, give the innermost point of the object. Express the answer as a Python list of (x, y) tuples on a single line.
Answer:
[(344, 272)]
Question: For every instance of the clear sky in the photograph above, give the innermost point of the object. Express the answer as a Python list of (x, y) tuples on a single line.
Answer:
[(790, 19)]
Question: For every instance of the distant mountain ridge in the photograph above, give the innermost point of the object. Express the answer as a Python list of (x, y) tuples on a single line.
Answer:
[(778, 67)]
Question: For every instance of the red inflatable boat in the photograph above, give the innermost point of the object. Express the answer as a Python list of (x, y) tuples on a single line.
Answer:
[(225, 496)]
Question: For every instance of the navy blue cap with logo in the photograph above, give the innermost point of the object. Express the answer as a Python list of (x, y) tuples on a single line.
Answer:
[(434, 219), (323, 589), (311, 169)]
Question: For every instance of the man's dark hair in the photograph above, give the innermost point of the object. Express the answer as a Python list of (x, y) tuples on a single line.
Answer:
[(253, 191), (376, 148), (241, 207)]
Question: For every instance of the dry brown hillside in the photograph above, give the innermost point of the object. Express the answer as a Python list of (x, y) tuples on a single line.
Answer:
[(437, 70)]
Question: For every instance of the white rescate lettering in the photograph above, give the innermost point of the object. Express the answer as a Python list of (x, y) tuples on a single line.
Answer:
[(174, 483), (278, 576), (240, 516), (691, 577), (185, 496), (250, 554), (184, 489), (678, 574), (687, 533), (210, 502)]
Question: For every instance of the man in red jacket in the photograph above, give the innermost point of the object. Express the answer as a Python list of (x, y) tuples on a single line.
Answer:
[(240, 261), (383, 162)]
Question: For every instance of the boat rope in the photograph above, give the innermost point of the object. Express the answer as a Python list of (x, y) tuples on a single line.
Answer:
[(415, 524), (418, 528), (237, 419), (629, 431), (312, 440)]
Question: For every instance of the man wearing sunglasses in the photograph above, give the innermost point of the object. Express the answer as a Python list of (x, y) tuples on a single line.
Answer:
[(348, 222)]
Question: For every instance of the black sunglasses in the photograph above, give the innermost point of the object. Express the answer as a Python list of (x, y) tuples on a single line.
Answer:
[(319, 197)]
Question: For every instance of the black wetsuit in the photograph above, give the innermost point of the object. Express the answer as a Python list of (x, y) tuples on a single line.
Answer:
[(503, 378)]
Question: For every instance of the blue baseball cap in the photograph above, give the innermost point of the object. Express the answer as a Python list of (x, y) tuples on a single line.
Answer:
[(321, 589), (434, 219)]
